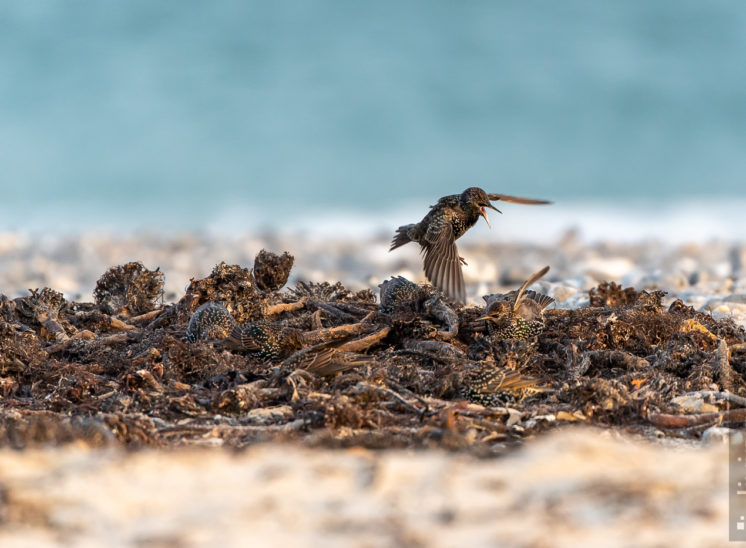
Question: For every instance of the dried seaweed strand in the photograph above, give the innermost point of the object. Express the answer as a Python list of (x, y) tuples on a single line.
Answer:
[(664, 420), (333, 333), (364, 343), (275, 309), (720, 396), (363, 387)]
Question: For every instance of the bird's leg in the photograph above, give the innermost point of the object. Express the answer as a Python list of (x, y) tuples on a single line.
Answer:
[(463, 261)]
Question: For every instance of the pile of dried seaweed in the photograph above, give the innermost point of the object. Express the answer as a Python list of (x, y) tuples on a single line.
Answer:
[(121, 370)]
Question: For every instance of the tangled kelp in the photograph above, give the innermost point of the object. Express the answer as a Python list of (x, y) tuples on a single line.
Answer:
[(133, 378)]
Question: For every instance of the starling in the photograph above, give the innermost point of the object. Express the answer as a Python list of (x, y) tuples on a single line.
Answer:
[(517, 315), (486, 384), (265, 340), (438, 231), (324, 359), (210, 322), (398, 293)]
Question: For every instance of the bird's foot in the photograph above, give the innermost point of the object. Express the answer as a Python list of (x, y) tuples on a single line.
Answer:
[(463, 261)]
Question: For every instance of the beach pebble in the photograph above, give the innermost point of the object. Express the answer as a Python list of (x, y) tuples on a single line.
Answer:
[(607, 268), (582, 282), (739, 285), (716, 435), (721, 269), (269, 415), (698, 274), (561, 292), (480, 271), (694, 404), (686, 265), (675, 280), (715, 305), (514, 416)]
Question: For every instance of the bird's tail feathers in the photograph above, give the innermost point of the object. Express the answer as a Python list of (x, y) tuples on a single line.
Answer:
[(401, 237)]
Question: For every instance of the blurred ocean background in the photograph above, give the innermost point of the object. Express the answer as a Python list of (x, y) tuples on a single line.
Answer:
[(235, 116)]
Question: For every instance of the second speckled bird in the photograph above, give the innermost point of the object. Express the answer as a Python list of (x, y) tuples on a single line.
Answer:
[(517, 315)]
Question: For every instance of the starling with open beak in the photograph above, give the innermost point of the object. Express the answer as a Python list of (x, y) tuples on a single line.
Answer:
[(517, 315), (438, 231)]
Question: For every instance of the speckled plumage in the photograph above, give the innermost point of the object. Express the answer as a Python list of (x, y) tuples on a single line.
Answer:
[(517, 315), (438, 231), (399, 293), (210, 322), (487, 385), (324, 359), (266, 340)]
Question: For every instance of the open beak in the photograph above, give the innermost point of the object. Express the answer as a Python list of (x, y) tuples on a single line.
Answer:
[(484, 213)]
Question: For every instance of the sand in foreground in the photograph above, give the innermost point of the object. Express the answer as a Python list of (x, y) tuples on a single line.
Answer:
[(570, 488)]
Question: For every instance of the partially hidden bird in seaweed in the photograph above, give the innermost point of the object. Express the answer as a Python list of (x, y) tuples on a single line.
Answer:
[(270, 342), (487, 385), (517, 315)]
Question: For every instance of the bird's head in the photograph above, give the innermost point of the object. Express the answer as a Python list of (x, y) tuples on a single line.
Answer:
[(497, 311), (476, 199)]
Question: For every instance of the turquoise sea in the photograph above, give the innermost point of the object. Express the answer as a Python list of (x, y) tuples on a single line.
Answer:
[(232, 115)]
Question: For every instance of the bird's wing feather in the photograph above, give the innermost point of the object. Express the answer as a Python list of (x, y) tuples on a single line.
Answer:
[(442, 265), (511, 380), (316, 361), (329, 361), (516, 199), (447, 201), (242, 340), (532, 279), (542, 300), (494, 298)]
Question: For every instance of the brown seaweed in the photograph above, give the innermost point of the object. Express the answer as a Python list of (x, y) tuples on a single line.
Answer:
[(121, 371)]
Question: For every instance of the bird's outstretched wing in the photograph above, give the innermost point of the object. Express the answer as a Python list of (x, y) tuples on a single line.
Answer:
[(516, 199), (540, 299), (532, 279), (442, 264)]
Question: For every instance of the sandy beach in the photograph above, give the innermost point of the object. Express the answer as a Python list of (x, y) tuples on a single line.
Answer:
[(571, 488), (710, 276), (205, 339), (549, 482)]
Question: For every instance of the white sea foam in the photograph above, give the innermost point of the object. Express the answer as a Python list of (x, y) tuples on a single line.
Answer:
[(671, 223)]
